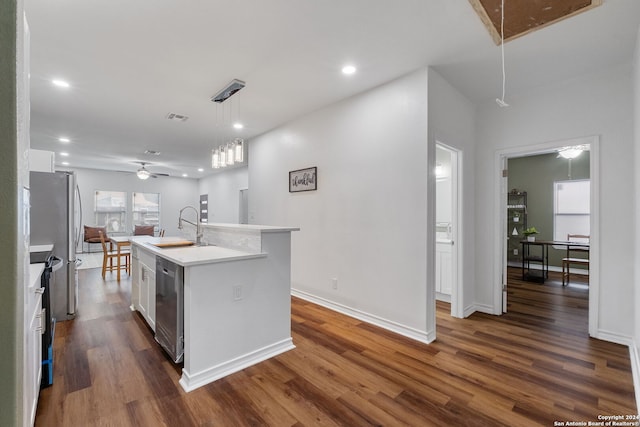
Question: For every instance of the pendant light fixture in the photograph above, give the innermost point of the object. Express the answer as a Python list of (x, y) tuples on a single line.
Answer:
[(230, 150)]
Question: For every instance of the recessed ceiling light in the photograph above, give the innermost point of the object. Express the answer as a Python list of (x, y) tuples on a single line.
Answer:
[(200, 170), (348, 70), (60, 83), (185, 175), (238, 125), (65, 163), (63, 154), (64, 139)]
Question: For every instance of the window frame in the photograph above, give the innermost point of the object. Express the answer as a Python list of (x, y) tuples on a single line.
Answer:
[(577, 213)]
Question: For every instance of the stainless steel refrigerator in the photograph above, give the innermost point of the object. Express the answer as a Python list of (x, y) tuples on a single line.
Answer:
[(53, 200)]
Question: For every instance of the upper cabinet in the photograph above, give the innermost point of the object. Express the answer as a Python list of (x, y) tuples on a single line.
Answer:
[(41, 161)]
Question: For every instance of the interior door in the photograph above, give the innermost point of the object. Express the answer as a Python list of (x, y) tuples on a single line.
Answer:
[(503, 221)]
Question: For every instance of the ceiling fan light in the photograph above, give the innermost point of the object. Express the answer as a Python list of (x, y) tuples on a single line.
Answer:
[(571, 152), (143, 173)]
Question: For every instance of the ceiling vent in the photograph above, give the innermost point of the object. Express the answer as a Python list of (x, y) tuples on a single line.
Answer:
[(228, 91), (177, 117)]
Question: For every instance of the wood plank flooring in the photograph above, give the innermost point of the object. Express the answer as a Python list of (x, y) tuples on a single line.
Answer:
[(532, 366)]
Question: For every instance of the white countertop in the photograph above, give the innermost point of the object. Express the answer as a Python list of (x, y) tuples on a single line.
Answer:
[(41, 248), (35, 271), (250, 227), (187, 256)]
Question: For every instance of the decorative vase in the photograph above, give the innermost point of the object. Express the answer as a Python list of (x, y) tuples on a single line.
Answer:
[(531, 238)]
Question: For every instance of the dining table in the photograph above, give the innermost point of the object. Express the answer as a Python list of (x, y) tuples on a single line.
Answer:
[(541, 258), (120, 242)]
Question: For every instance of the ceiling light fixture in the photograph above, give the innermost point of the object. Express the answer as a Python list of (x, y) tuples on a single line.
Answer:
[(143, 173), (64, 154), (184, 175), (229, 151), (348, 70), (571, 152), (200, 170), (500, 101), (60, 83), (64, 140), (65, 163)]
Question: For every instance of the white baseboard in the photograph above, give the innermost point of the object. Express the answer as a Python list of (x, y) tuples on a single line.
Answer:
[(613, 337), (190, 382), (579, 271), (482, 308), (409, 332), (443, 297), (635, 371)]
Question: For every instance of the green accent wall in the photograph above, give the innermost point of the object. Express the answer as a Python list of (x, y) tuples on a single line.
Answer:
[(10, 265), (536, 175)]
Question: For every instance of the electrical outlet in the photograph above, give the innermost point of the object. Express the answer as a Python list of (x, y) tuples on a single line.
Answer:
[(237, 293), (334, 283), (515, 251)]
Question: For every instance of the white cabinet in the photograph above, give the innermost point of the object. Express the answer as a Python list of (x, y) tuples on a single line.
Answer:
[(33, 352), (444, 272), (143, 286), (42, 161)]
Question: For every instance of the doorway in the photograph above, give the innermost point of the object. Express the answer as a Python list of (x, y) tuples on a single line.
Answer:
[(510, 256), (243, 209), (448, 231)]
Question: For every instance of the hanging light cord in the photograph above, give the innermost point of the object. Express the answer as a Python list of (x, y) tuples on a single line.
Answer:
[(504, 77)]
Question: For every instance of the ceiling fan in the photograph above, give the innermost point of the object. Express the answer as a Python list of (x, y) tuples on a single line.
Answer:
[(143, 173)]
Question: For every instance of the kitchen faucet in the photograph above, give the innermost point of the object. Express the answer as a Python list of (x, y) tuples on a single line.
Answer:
[(197, 223)]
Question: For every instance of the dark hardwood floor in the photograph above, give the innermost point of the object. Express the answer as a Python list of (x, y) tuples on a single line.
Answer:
[(532, 366)]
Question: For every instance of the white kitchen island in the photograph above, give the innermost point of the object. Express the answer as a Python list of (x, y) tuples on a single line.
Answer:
[(237, 296)]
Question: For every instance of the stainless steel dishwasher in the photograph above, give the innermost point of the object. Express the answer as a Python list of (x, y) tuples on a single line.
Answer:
[(170, 308)]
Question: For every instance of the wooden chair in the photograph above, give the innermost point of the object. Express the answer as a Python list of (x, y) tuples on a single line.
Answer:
[(110, 255), (143, 230), (91, 235), (568, 260)]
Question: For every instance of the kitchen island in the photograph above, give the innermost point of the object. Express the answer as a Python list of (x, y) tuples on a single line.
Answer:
[(237, 296)]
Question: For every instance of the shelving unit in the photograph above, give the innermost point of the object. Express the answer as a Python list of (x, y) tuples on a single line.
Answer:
[(516, 223), (536, 255)]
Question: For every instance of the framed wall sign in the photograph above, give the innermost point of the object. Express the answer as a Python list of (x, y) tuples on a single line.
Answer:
[(303, 180)]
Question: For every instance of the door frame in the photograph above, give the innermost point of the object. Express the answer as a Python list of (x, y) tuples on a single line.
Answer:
[(457, 288), (500, 221)]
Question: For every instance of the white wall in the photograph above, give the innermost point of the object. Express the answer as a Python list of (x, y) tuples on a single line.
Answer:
[(596, 104), (223, 189), (452, 121), (636, 121), (175, 193), (366, 225)]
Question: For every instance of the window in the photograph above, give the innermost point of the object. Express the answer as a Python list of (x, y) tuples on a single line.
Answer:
[(571, 208), (110, 210), (146, 209)]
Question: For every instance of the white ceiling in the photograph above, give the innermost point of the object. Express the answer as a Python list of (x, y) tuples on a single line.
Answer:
[(132, 62)]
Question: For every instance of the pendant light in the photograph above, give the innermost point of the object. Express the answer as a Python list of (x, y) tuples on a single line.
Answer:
[(231, 150), (239, 154), (215, 159), (231, 155)]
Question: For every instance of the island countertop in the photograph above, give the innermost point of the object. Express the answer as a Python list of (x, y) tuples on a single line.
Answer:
[(187, 256)]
